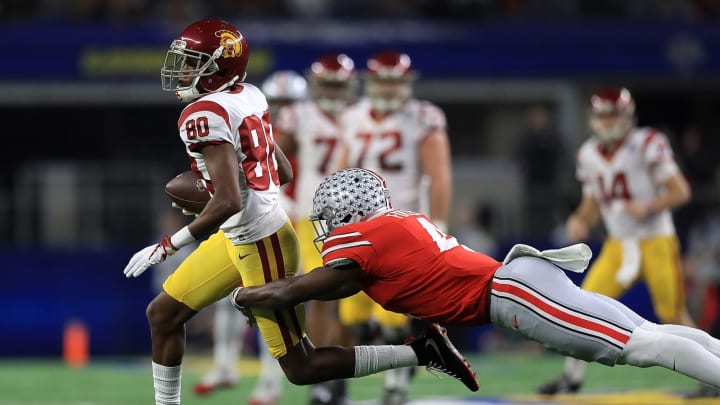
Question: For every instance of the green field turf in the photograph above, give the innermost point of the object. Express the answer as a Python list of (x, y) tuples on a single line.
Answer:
[(129, 381)]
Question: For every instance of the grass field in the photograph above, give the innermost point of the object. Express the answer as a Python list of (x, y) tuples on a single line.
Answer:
[(503, 379)]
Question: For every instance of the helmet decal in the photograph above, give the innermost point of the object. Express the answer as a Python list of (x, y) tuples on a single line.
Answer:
[(348, 196), (231, 43)]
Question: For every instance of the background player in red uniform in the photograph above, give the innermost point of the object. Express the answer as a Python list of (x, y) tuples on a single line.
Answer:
[(408, 265)]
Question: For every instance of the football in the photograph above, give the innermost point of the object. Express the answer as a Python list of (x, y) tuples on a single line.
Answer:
[(188, 191)]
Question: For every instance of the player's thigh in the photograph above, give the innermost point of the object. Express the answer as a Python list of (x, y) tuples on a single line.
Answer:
[(662, 271), (205, 276), (601, 277), (309, 256), (355, 309), (272, 258), (389, 319), (536, 299)]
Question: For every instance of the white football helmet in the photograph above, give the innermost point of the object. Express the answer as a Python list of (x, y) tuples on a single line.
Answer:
[(285, 85), (346, 197), (612, 114)]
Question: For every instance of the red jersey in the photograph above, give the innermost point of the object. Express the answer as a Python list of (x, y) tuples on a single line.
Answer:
[(411, 267)]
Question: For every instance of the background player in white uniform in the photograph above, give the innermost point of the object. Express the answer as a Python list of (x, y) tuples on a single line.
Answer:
[(229, 327), (629, 179), (308, 132), (404, 140)]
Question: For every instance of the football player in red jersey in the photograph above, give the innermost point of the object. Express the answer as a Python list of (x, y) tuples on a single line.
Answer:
[(227, 134), (404, 139), (309, 132), (408, 265)]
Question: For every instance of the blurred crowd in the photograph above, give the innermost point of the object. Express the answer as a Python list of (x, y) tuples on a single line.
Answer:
[(130, 11)]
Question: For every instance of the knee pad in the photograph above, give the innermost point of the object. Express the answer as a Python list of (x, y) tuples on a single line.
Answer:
[(645, 347)]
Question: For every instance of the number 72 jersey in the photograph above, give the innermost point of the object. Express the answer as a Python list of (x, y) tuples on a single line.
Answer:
[(389, 146), (637, 171)]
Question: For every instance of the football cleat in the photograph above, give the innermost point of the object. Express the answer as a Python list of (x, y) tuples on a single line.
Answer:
[(435, 351), (561, 385), (394, 396), (214, 380)]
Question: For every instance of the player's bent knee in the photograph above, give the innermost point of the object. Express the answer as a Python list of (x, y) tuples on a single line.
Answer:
[(299, 375), (164, 313), (642, 350)]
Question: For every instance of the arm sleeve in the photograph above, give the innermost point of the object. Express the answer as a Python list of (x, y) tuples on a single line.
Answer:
[(432, 117), (344, 247), (204, 122), (658, 157)]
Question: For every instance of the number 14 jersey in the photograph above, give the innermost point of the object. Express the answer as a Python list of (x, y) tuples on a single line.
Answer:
[(636, 170)]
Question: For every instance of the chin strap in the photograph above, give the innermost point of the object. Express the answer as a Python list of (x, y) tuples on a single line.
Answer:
[(194, 93)]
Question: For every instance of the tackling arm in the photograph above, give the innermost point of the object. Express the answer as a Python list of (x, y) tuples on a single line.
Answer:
[(323, 283)]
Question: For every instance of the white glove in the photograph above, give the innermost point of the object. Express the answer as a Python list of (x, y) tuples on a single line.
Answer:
[(184, 211), (145, 258), (244, 310)]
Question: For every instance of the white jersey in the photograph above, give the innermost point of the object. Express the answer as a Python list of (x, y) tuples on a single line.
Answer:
[(239, 117), (637, 170), (389, 146), (317, 137)]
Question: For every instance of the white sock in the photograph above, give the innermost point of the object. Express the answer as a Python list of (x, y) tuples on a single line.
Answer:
[(655, 348), (167, 384), (373, 359), (228, 328), (701, 337), (574, 369), (271, 374), (397, 379)]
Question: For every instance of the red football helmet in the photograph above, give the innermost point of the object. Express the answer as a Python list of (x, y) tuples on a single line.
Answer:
[(612, 113), (389, 80), (333, 82), (209, 56)]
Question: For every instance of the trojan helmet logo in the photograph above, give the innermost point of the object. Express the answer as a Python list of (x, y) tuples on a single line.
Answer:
[(230, 42)]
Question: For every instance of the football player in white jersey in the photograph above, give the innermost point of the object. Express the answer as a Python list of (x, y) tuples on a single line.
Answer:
[(629, 180), (404, 140), (308, 132), (281, 88)]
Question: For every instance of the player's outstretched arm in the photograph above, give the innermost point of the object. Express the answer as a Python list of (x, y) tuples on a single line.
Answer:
[(323, 284)]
